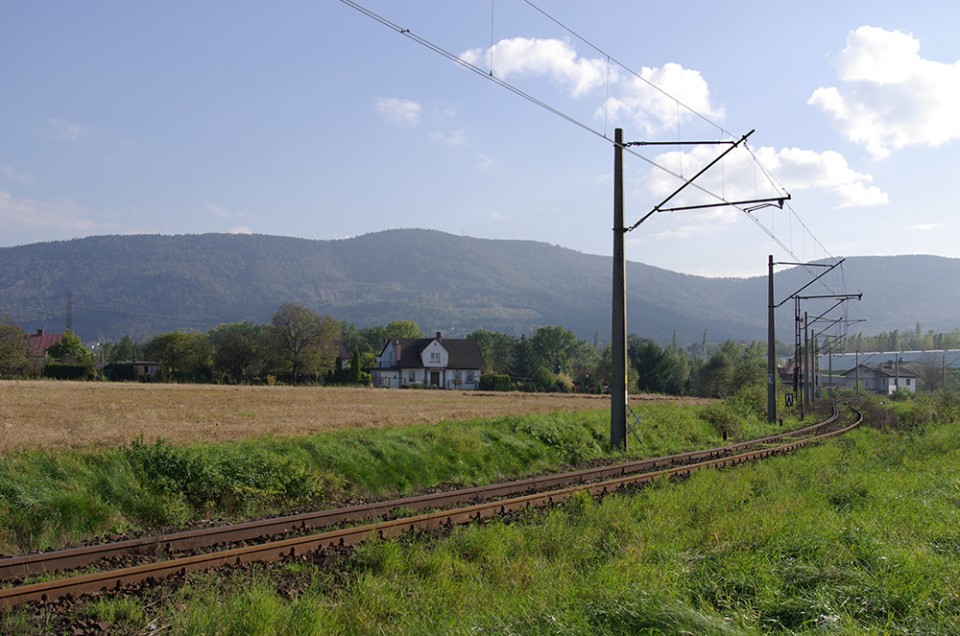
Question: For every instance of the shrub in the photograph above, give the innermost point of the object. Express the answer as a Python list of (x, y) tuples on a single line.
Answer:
[(69, 371), (724, 419), (495, 382)]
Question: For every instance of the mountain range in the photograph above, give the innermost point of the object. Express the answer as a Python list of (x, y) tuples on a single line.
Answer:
[(142, 285)]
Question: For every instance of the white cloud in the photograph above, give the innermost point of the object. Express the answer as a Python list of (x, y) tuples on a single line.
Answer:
[(240, 229), (799, 169), (925, 227), (485, 162), (495, 216), (9, 173), (453, 138), (890, 97), (62, 129), (737, 177), (63, 218), (650, 101), (217, 211), (552, 58), (404, 112)]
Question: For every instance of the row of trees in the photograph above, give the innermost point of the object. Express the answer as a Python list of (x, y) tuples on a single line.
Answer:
[(896, 340), (300, 345)]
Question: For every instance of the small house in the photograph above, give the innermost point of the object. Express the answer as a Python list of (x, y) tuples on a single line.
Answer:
[(883, 379), (444, 363)]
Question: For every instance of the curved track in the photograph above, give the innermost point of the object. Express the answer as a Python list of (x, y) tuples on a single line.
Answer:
[(496, 499)]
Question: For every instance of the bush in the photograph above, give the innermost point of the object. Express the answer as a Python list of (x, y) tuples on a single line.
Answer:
[(69, 371), (724, 419), (224, 479), (495, 382), (543, 380)]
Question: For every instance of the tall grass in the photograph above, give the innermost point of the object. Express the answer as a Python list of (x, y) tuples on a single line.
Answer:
[(858, 536), (50, 499)]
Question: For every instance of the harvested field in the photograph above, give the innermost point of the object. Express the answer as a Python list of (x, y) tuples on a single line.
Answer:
[(55, 415)]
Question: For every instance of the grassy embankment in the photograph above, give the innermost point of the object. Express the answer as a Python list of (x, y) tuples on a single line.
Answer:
[(55, 498), (857, 536)]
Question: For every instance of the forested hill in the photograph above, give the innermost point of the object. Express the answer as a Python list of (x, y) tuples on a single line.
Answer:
[(143, 285)]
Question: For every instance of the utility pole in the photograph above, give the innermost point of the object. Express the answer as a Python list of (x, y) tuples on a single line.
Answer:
[(806, 364), (70, 310), (618, 379), (618, 343), (771, 354), (857, 359), (771, 348)]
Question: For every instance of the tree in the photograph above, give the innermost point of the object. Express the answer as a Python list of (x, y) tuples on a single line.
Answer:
[(238, 350), (674, 371), (183, 357), (716, 374), (125, 351), (497, 349), (303, 340), (356, 371), (524, 361), (13, 349), (376, 337), (554, 348), (70, 360), (70, 349), (645, 355)]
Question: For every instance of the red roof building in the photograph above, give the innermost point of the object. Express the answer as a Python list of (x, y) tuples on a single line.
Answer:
[(38, 343)]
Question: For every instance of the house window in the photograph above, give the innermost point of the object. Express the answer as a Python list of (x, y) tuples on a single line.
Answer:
[(413, 376), (435, 357)]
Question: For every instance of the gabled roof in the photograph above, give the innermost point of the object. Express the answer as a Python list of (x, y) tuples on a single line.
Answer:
[(883, 370), (464, 353), (38, 343)]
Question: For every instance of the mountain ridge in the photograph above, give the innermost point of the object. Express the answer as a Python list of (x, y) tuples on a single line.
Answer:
[(140, 285)]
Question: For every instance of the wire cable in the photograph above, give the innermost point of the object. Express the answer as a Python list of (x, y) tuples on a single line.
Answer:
[(489, 75)]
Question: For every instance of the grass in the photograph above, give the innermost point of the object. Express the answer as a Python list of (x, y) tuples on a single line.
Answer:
[(857, 536), (56, 415), (53, 499)]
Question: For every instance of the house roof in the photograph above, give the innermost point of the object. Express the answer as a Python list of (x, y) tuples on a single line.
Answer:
[(464, 353), (38, 343), (341, 350), (888, 371)]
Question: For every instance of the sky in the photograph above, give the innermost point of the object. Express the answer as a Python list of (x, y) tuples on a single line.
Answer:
[(316, 120)]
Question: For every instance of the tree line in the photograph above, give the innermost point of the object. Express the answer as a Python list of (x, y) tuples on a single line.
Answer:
[(299, 345), (908, 340)]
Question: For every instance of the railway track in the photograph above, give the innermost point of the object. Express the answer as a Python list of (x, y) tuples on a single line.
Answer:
[(297, 535)]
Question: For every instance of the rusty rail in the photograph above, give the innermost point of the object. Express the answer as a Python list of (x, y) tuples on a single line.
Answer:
[(51, 591), (44, 563)]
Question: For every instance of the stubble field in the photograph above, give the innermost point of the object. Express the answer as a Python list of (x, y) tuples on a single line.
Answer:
[(61, 415)]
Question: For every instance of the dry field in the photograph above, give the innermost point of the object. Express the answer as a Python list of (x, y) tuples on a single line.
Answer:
[(52, 415)]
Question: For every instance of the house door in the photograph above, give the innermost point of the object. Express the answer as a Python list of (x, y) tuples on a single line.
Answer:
[(434, 378)]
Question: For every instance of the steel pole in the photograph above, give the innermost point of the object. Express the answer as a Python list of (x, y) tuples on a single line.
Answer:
[(618, 343), (771, 348)]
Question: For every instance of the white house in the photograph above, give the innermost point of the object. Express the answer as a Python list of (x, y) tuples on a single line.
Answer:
[(884, 379), (436, 362)]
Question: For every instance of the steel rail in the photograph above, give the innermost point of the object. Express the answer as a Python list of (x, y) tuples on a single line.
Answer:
[(44, 563), (51, 591)]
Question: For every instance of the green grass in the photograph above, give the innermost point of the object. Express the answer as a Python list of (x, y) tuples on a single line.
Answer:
[(860, 535), (49, 500)]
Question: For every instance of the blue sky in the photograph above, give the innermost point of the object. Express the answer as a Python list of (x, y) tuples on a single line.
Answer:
[(310, 119)]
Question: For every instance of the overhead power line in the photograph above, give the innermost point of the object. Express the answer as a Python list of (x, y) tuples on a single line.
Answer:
[(489, 75)]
